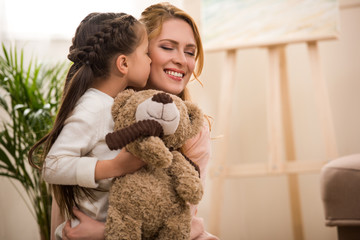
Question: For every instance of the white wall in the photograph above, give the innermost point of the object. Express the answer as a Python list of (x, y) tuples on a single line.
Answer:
[(258, 208), (255, 208)]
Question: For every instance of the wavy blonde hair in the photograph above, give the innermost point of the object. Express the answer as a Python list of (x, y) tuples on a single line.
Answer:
[(153, 18)]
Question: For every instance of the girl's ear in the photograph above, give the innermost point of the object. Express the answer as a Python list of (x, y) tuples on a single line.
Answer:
[(121, 64)]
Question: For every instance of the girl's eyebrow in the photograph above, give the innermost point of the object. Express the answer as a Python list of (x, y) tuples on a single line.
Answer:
[(176, 43)]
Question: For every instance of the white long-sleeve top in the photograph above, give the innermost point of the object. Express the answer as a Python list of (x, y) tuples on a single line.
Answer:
[(81, 143)]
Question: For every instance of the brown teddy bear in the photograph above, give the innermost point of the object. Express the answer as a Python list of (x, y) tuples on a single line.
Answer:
[(153, 202)]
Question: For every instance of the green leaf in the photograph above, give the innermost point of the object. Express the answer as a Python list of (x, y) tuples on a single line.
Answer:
[(30, 95)]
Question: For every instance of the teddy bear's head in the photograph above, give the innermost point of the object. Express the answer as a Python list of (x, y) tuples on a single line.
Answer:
[(153, 112)]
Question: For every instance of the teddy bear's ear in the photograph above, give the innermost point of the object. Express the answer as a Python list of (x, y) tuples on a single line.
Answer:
[(120, 101), (196, 117)]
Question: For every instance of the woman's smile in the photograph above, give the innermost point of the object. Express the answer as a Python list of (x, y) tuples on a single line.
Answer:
[(175, 74)]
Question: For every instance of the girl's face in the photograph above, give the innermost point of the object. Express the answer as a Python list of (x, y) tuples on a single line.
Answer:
[(139, 65), (173, 57)]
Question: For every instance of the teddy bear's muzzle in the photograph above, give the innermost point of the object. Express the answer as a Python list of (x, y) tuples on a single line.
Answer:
[(162, 109)]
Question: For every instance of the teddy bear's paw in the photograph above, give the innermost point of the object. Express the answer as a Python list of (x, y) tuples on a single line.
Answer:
[(177, 227), (153, 151), (119, 226), (191, 193), (161, 159)]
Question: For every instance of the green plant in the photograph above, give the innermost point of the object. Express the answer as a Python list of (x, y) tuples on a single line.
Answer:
[(29, 98)]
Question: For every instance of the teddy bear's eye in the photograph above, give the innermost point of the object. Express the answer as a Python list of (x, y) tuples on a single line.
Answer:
[(191, 117)]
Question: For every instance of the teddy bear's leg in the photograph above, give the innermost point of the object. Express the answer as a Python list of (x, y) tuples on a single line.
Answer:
[(187, 180), (119, 226), (151, 150), (177, 227)]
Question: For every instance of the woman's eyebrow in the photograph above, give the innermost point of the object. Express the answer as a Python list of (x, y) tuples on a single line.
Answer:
[(176, 43)]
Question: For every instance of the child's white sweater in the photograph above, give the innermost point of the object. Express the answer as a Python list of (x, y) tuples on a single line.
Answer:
[(81, 143)]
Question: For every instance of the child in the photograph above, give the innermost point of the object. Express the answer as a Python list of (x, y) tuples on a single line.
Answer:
[(109, 53)]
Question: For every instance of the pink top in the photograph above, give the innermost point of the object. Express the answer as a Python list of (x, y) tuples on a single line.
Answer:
[(198, 150)]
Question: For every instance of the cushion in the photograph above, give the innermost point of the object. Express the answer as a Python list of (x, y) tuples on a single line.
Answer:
[(340, 191)]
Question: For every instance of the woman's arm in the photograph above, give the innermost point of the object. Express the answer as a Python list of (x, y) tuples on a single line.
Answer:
[(198, 149), (56, 218)]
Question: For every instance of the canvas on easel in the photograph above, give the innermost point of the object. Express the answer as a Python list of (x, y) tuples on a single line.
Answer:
[(230, 25)]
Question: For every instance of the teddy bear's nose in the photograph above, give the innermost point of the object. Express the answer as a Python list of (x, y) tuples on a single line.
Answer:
[(162, 98)]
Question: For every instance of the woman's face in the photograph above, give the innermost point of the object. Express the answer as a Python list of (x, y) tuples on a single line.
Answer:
[(173, 57)]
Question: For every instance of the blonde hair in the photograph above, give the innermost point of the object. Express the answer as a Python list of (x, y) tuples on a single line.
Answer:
[(153, 18)]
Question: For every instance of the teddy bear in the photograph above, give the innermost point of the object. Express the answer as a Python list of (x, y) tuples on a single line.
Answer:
[(154, 202)]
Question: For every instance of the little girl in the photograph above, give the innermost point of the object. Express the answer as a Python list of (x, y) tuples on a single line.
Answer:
[(109, 53)]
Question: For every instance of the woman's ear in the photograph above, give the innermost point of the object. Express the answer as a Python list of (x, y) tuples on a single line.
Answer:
[(121, 64)]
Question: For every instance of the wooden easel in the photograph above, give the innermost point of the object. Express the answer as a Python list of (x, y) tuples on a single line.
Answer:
[(281, 147)]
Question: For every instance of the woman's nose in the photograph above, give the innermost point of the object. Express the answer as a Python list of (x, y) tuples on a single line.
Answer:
[(179, 58)]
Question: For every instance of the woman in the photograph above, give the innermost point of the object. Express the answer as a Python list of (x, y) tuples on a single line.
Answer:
[(176, 53)]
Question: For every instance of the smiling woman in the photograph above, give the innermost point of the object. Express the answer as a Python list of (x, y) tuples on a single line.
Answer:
[(174, 61)]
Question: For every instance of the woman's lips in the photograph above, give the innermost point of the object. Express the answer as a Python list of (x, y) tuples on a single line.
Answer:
[(176, 75)]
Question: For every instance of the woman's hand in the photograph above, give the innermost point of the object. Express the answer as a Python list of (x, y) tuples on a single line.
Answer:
[(122, 164), (88, 228)]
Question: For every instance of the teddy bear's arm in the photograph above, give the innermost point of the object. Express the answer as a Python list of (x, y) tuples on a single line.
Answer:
[(152, 151), (186, 178), (122, 137)]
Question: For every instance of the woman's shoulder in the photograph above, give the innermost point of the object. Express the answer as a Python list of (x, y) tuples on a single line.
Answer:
[(202, 139)]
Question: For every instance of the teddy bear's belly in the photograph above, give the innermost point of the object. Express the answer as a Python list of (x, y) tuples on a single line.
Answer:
[(146, 197)]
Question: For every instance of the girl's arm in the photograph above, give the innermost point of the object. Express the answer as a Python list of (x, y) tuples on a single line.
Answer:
[(122, 164), (72, 159)]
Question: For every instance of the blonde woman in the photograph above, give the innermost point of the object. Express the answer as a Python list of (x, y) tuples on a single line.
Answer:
[(176, 53)]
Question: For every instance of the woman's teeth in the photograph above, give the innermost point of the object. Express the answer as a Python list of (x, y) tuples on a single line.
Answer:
[(176, 74)]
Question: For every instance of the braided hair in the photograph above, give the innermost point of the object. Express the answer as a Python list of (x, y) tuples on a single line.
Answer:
[(98, 39)]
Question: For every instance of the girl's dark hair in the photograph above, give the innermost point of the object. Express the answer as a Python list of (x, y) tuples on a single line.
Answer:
[(99, 38)]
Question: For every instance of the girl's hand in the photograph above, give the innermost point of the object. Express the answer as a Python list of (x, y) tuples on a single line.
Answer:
[(127, 162), (122, 164), (88, 228)]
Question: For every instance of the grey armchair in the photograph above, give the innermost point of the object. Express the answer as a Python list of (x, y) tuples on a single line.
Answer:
[(340, 192)]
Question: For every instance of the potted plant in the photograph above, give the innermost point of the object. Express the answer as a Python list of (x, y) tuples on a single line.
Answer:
[(29, 97)]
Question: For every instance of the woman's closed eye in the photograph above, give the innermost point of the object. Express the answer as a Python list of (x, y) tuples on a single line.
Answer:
[(190, 53), (166, 48)]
